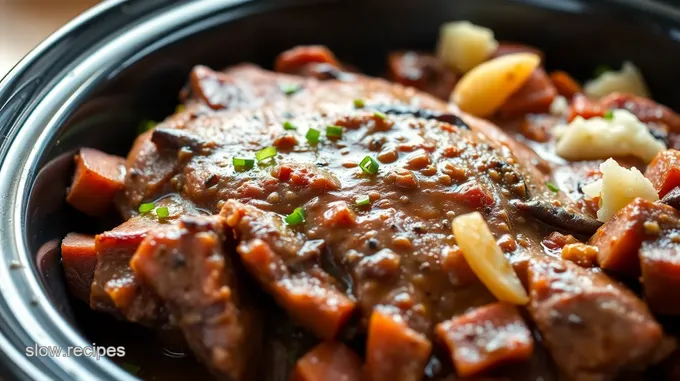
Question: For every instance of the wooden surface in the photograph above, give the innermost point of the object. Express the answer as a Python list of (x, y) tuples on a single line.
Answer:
[(25, 23)]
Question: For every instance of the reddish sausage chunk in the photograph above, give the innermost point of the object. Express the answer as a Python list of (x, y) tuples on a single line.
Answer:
[(328, 361), (79, 258), (394, 351), (97, 180), (660, 262), (486, 337), (664, 171), (619, 240)]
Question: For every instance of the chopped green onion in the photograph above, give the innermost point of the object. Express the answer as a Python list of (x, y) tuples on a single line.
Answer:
[(147, 207), (145, 126), (369, 165), (363, 200), (552, 187), (609, 114), (601, 69), (334, 131), (180, 108), (289, 126), (380, 115), (290, 88), (359, 103), (131, 368), (297, 217), (313, 135), (162, 212), (266, 153), (243, 163)]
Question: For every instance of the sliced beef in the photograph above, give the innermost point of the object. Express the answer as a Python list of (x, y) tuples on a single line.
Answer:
[(594, 328), (277, 258), (188, 267), (116, 288), (346, 258)]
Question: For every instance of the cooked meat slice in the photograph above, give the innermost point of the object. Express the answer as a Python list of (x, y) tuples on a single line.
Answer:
[(393, 350), (174, 139), (97, 180), (664, 171), (149, 170), (272, 252), (431, 166), (328, 361), (535, 96), (79, 258), (188, 268), (309, 61), (594, 328), (116, 288), (619, 240), (486, 337), (423, 71), (660, 263)]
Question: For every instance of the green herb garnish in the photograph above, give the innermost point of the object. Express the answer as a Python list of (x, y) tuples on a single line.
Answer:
[(297, 217), (313, 135), (552, 187), (265, 153), (243, 163), (146, 207), (162, 212), (359, 103), (334, 131), (609, 114), (290, 88), (289, 126), (363, 200), (369, 165), (380, 115)]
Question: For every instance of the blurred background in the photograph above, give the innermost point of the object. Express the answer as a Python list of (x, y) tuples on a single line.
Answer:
[(24, 23)]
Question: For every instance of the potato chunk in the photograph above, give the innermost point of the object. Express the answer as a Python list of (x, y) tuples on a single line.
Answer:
[(599, 138), (618, 187), (628, 80), (463, 45), (484, 89)]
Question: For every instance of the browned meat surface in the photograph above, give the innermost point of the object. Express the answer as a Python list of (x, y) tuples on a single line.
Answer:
[(346, 225), (187, 266), (116, 287), (594, 328), (396, 251)]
